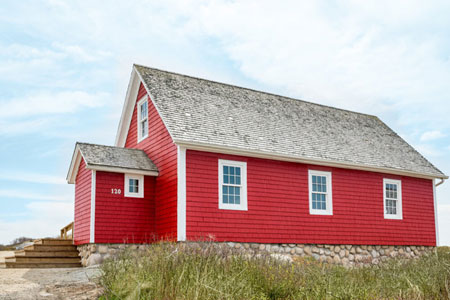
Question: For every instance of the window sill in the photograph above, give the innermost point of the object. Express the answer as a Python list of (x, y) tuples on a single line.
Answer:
[(321, 212), (233, 207), (393, 217), (141, 139)]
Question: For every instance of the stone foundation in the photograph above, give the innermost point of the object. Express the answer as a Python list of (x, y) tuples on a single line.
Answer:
[(347, 255)]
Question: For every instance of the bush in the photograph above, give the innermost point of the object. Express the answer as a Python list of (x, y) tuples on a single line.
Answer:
[(171, 271)]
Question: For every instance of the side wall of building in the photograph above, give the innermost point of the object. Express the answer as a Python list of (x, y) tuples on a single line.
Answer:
[(278, 206), (82, 218), (163, 152), (120, 219)]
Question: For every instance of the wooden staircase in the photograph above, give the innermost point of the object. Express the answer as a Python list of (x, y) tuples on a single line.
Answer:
[(45, 253)]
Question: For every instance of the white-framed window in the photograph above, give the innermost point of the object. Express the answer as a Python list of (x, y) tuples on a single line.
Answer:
[(134, 186), (232, 185), (142, 118), (320, 196), (392, 190)]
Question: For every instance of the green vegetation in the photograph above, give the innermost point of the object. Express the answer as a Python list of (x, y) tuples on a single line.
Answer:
[(167, 272)]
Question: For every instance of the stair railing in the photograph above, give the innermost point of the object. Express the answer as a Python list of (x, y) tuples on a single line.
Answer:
[(67, 232)]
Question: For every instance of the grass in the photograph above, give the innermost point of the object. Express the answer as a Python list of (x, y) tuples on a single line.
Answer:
[(166, 271)]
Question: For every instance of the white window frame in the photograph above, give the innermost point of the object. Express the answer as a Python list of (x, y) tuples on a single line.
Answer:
[(140, 178), (329, 194), (243, 185), (139, 120), (399, 214)]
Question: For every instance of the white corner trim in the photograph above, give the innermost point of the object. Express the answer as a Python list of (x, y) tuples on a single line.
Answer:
[(436, 224), (92, 227), (181, 188), (243, 201), (140, 193), (329, 199), (399, 215)]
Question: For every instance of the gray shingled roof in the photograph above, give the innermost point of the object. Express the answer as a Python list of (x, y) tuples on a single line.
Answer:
[(217, 114), (108, 156)]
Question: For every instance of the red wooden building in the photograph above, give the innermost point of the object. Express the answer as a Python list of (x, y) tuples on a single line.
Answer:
[(195, 158)]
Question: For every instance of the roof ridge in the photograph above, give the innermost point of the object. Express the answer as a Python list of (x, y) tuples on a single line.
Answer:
[(92, 144), (255, 90)]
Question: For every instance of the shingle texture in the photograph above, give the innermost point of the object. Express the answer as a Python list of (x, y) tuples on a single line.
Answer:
[(198, 110), (108, 156)]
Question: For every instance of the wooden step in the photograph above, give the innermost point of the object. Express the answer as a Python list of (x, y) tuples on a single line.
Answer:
[(42, 260), (38, 265), (53, 242), (34, 253), (39, 247)]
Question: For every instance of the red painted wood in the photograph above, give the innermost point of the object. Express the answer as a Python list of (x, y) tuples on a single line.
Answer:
[(82, 218), (278, 206), (120, 219), (163, 152)]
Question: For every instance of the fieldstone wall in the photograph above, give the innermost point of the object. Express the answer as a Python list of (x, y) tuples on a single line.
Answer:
[(347, 255)]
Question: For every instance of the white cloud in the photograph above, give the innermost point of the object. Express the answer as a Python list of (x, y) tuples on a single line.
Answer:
[(47, 103), (431, 135), (45, 219), (24, 194), (428, 150), (444, 224), (31, 177)]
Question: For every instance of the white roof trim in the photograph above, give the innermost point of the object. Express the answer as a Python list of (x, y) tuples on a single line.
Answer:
[(121, 170), (74, 165), (128, 108), (305, 160)]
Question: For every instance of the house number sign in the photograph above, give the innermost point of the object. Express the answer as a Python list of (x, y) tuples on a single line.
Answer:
[(116, 191)]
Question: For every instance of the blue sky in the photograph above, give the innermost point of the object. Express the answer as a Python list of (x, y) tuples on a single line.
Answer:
[(65, 66)]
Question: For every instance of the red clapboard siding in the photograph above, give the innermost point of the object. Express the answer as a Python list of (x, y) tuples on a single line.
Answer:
[(163, 152), (278, 206), (120, 219), (82, 218)]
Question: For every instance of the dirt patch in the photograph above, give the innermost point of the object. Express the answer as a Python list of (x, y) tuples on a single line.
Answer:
[(73, 283)]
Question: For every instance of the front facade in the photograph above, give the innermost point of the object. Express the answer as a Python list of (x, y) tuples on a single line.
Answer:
[(199, 160)]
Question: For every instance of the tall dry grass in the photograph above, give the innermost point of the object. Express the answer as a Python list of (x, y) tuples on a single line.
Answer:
[(166, 271)]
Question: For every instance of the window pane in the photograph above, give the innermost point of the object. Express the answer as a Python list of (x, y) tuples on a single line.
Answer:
[(225, 189), (226, 179), (231, 179), (231, 190), (225, 170), (231, 199), (237, 191), (225, 198), (314, 178), (231, 170), (143, 110), (238, 171), (238, 179)]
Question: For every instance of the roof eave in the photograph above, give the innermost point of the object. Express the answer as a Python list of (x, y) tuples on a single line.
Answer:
[(74, 165), (330, 163), (127, 110), (121, 170)]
